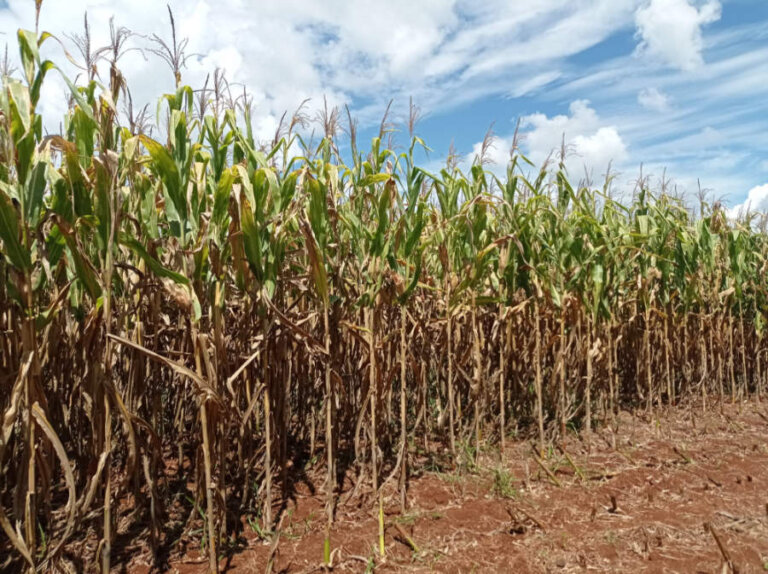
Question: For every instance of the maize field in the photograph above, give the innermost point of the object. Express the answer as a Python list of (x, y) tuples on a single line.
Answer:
[(190, 316)]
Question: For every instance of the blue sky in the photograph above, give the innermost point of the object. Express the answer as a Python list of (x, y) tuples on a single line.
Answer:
[(675, 85)]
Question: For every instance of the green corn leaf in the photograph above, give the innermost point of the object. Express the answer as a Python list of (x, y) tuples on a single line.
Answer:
[(155, 266), (165, 167), (28, 52), (318, 210), (382, 216), (34, 190), (222, 195), (9, 233), (37, 85), (21, 108), (245, 181), (415, 233), (374, 179), (83, 269), (251, 240), (78, 96)]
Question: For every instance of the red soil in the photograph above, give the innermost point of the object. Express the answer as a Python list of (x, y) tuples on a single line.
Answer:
[(667, 478)]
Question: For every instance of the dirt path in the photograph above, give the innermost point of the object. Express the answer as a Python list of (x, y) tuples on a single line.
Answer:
[(639, 507)]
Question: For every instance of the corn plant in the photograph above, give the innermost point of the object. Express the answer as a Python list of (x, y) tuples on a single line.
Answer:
[(192, 320)]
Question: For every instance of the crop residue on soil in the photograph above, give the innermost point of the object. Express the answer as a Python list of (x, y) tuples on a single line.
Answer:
[(684, 492)]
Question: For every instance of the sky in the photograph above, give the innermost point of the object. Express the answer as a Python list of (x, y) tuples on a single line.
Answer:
[(679, 87)]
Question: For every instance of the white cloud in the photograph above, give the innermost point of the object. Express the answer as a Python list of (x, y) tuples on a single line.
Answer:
[(559, 28), (283, 52), (448, 53), (535, 84), (592, 145), (443, 52), (670, 30), (716, 121), (653, 99), (756, 200)]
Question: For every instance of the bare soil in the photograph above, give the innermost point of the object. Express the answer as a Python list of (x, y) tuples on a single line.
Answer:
[(644, 495)]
